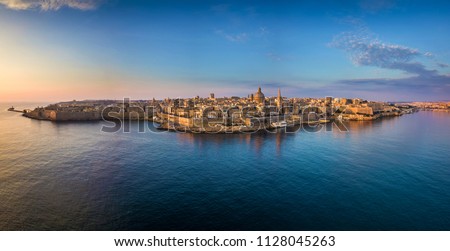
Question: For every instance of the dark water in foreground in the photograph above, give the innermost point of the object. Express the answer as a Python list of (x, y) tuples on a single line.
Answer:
[(392, 174)]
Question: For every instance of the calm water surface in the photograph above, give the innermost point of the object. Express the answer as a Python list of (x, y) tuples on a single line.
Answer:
[(391, 174)]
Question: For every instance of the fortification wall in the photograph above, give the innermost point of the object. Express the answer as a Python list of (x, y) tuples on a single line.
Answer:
[(75, 116), (361, 110)]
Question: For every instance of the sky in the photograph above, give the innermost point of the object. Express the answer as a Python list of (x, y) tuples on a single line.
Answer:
[(385, 50)]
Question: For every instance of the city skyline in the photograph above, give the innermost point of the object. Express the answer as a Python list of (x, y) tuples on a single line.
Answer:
[(73, 49)]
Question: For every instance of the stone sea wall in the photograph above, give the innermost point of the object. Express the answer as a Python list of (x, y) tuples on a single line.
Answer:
[(53, 115)]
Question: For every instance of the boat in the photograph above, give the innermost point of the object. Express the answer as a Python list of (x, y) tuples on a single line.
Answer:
[(279, 124), (11, 109)]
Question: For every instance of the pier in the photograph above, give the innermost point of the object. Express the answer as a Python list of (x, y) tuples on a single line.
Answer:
[(12, 109)]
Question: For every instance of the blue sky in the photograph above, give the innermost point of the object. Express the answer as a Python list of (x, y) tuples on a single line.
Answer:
[(73, 49)]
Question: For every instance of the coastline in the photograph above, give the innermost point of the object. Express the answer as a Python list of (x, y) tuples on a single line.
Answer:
[(222, 116)]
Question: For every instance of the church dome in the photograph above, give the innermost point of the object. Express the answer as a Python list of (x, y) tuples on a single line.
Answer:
[(259, 96)]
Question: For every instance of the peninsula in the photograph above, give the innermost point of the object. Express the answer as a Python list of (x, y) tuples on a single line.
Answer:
[(225, 114)]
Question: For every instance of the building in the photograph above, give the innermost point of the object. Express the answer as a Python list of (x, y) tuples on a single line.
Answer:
[(279, 100), (259, 96)]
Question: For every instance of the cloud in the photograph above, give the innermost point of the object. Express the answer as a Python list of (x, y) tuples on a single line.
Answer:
[(263, 31), (364, 49), (237, 38), (220, 8), (274, 57), (239, 23), (416, 82), (442, 65), (375, 6), (435, 87), (50, 5), (242, 37)]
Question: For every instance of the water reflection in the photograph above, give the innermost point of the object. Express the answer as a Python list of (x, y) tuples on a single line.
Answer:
[(274, 142), (254, 141)]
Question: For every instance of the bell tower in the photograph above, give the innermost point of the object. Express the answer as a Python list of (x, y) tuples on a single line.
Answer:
[(279, 100)]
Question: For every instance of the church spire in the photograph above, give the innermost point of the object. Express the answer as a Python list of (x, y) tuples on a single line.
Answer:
[(279, 99)]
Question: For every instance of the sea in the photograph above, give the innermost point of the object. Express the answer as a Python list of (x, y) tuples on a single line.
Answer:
[(388, 174)]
